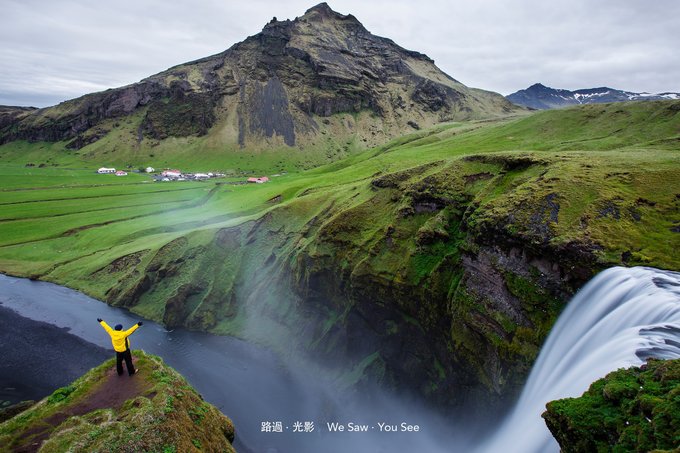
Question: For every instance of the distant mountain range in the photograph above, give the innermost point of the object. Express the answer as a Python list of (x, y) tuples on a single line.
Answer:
[(541, 97)]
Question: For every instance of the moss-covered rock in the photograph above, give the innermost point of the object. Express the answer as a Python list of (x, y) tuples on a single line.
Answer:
[(153, 411), (637, 409)]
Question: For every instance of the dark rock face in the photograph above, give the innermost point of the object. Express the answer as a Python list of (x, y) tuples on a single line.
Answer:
[(545, 214), (541, 97), (186, 114), (88, 137), (71, 118), (10, 115), (433, 96), (271, 113), (274, 84), (403, 324)]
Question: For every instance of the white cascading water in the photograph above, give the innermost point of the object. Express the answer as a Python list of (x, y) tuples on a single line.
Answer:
[(619, 319)]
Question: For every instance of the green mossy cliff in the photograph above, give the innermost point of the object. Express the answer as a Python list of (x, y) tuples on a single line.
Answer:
[(637, 409), (153, 411)]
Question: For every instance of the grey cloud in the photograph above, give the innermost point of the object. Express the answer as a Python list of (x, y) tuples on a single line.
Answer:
[(61, 49)]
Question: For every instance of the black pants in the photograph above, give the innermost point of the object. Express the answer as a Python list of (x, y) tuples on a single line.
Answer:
[(127, 355)]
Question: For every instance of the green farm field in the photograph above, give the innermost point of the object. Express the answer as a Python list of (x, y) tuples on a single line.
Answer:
[(613, 167)]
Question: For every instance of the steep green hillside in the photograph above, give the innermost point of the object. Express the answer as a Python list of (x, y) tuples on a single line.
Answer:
[(436, 262), (154, 410), (628, 410)]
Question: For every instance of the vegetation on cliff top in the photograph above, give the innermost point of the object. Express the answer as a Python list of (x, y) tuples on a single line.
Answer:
[(637, 409), (466, 239), (153, 411)]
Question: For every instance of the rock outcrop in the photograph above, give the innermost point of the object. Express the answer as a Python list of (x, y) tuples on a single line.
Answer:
[(154, 410), (637, 409)]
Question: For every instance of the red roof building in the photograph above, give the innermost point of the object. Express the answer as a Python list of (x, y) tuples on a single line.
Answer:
[(260, 180)]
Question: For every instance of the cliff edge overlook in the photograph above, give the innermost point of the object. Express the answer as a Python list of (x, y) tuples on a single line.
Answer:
[(155, 410)]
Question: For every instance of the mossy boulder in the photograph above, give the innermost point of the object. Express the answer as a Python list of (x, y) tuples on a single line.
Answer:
[(637, 409), (155, 410)]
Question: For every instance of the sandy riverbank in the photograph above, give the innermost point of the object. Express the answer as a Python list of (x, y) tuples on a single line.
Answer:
[(37, 358)]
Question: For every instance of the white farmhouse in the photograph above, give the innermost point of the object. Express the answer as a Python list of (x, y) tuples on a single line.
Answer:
[(104, 170), (149, 169)]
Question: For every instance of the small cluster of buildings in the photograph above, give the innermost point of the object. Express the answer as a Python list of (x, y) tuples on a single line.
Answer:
[(177, 175), (105, 170)]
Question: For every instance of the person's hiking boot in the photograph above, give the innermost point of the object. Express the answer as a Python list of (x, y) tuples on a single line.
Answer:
[(134, 371)]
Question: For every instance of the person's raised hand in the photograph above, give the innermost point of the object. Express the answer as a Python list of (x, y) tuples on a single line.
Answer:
[(99, 319), (140, 323)]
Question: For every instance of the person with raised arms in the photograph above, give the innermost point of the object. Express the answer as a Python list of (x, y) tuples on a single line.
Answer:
[(121, 344)]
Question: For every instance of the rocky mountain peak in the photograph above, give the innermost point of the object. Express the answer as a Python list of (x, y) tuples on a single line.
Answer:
[(322, 10), (318, 17)]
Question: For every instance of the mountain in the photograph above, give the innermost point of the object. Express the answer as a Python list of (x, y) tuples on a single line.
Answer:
[(321, 81), (541, 97)]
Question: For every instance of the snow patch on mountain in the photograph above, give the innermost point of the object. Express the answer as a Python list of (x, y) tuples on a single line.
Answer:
[(541, 97)]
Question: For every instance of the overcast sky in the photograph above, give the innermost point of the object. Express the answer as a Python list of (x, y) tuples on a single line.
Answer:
[(60, 49)]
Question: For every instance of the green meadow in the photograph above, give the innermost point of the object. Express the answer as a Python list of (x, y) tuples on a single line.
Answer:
[(614, 168)]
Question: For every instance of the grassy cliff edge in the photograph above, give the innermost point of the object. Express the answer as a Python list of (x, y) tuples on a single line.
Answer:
[(155, 410)]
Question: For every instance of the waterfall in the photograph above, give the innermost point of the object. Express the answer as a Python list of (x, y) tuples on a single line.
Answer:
[(619, 319)]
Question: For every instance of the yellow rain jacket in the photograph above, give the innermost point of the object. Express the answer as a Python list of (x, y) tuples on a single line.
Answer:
[(119, 337)]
